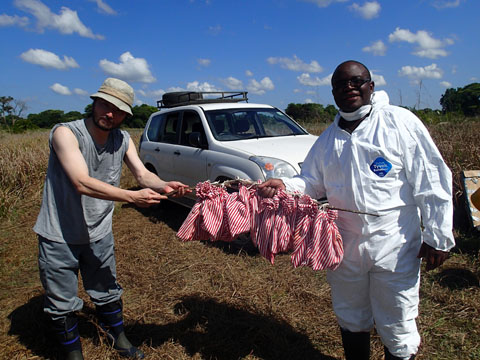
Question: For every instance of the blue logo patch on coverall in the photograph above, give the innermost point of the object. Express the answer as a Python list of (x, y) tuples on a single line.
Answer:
[(380, 166)]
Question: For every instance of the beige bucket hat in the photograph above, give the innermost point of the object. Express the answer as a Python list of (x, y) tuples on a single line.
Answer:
[(117, 92)]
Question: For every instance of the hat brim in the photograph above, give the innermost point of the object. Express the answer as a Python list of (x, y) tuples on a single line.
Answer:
[(113, 100)]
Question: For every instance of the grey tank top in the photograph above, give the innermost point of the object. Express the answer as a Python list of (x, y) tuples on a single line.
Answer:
[(67, 216)]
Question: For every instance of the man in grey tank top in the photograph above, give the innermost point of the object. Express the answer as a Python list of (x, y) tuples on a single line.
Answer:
[(74, 225)]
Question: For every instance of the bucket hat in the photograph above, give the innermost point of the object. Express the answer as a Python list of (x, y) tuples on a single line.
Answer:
[(117, 92)]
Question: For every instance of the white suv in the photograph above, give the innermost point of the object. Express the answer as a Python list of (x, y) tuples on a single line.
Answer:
[(216, 136)]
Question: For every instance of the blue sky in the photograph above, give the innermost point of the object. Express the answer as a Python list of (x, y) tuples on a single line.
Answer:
[(56, 53)]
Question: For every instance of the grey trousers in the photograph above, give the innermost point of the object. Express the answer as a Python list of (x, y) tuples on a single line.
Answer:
[(59, 264)]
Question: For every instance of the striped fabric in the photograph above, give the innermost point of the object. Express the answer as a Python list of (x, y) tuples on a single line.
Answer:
[(284, 223)]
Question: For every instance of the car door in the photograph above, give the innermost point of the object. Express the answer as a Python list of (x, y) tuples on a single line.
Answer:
[(190, 162), (162, 142)]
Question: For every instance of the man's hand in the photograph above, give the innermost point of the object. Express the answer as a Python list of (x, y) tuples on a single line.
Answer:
[(175, 189), (433, 257), (270, 187), (146, 197)]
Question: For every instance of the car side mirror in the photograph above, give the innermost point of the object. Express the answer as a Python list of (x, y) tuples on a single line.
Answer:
[(196, 139)]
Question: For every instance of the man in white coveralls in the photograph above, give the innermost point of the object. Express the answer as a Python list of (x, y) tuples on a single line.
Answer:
[(378, 158)]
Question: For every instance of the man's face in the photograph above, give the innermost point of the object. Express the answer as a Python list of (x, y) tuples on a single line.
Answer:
[(107, 116), (351, 86)]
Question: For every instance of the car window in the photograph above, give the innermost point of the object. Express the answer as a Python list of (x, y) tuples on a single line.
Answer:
[(153, 132), (169, 133), (276, 124), (237, 124), (191, 122)]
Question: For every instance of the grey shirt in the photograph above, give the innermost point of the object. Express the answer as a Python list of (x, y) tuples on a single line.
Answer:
[(67, 216)]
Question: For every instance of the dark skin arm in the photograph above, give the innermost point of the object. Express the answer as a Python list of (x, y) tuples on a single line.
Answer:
[(433, 257), (270, 187)]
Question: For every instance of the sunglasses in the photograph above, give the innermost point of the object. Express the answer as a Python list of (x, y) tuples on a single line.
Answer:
[(354, 82)]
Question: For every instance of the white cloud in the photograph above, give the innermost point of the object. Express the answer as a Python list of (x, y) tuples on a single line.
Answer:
[(306, 79), (157, 93), (431, 53), (104, 7), (377, 48), (204, 62), (214, 30), (175, 88), (295, 64), (7, 20), (445, 4), (67, 22), (427, 46), (368, 11), (60, 89), (80, 92), (197, 86), (308, 101), (129, 68), (324, 3), (248, 73), (446, 84), (233, 83), (417, 73), (48, 59), (154, 94), (261, 87), (379, 80), (296, 91)]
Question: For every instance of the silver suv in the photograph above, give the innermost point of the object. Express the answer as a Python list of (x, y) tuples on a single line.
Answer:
[(216, 136)]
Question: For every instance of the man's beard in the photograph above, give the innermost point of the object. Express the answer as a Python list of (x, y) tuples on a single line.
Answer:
[(96, 122)]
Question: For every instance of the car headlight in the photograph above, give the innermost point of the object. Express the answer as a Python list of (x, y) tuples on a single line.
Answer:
[(274, 168)]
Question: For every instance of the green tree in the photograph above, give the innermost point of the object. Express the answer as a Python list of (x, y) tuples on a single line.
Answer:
[(140, 116), (72, 115), (464, 100), (311, 112), (47, 118), (88, 111), (22, 125), (6, 107), (331, 111)]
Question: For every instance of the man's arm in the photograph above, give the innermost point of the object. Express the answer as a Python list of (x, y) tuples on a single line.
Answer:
[(431, 182), (147, 179), (68, 152)]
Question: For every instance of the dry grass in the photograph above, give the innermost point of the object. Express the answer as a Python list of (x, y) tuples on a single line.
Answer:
[(214, 301), (23, 162)]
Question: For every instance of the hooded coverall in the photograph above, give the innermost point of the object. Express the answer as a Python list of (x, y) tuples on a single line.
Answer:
[(389, 166)]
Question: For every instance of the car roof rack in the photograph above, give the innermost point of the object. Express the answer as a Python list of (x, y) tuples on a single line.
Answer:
[(179, 98)]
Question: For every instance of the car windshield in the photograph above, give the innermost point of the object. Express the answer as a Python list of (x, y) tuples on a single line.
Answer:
[(239, 124)]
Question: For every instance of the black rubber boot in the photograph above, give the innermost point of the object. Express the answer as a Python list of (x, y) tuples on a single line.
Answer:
[(66, 332), (111, 320), (356, 345), (389, 356)]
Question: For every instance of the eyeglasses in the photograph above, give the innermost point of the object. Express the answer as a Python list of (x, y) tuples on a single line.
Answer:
[(354, 82)]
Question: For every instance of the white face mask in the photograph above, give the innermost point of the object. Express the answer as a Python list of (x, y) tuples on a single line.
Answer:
[(357, 114)]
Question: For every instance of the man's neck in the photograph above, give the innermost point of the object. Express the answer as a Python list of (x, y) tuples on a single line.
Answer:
[(98, 135)]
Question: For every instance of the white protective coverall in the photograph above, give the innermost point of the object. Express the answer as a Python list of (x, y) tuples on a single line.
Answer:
[(388, 166)]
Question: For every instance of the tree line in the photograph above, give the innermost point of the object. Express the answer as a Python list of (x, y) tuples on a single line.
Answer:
[(464, 101), (11, 117)]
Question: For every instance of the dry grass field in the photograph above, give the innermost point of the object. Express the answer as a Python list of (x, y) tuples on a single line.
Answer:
[(217, 301)]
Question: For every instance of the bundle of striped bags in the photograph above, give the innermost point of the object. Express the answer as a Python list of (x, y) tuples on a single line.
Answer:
[(284, 223)]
